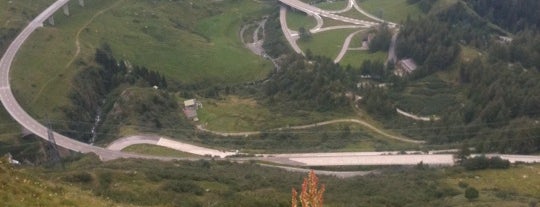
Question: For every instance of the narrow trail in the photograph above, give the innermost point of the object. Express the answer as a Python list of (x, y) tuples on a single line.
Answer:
[(77, 51), (336, 121)]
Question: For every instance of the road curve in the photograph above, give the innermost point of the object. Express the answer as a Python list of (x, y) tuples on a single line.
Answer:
[(287, 32), (122, 143), (310, 10), (345, 46), (24, 119), (349, 6)]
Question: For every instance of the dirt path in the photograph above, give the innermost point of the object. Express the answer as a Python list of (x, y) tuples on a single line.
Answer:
[(77, 51), (354, 121)]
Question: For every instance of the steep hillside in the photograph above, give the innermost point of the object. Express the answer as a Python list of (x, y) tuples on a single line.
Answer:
[(20, 187)]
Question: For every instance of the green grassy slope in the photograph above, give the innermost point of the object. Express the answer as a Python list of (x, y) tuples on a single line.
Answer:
[(19, 187), (189, 43)]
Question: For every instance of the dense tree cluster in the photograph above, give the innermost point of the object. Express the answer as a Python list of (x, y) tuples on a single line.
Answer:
[(524, 49), (274, 44), (511, 15), (93, 85), (318, 84), (430, 43), (381, 39), (502, 97)]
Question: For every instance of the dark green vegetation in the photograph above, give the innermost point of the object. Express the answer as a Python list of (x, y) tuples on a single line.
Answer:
[(123, 95), (514, 16), (319, 85), (491, 98), (381, 39)]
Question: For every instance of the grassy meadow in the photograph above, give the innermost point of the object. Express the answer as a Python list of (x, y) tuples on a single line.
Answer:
[(357, 57), (392, 10), (295, 20), (196, 43), (236, 114), (327, 43)]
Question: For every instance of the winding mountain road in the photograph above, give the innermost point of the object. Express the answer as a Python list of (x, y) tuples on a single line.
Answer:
[(24, 119), (113, 152)]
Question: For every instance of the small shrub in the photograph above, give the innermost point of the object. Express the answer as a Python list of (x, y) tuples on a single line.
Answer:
[(471, 193), (482, 162), (80, 177), (183, 187)]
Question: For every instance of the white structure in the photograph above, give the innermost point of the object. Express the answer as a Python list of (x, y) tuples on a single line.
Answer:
[(190, 109), (405, 67)]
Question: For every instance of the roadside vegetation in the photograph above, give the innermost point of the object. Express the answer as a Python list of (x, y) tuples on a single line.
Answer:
[(154, 183)]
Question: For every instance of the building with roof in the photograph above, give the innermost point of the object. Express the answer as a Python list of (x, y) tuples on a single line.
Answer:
[(405, 67), (190, 109)]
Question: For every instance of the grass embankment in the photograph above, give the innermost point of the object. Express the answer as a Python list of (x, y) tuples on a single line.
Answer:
[(189, 43), (327, 43), (297, 19), (147, 149), (392, 10), (332, 5)]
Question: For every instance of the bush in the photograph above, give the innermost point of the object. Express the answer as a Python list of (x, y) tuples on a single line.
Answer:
[(471, 193), (482, 162), (80, 177)]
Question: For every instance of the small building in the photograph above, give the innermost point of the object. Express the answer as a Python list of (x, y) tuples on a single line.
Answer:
[(190, 109), (405, 67)]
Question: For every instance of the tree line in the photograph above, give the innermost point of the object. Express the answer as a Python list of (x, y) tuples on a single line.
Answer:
[(514, 16)]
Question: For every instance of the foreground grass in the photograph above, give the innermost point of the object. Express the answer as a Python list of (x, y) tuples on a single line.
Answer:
[(516, 186), (19, 188), (154, 183)]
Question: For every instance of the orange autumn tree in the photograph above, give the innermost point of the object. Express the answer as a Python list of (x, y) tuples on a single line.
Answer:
[(311, 195)]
